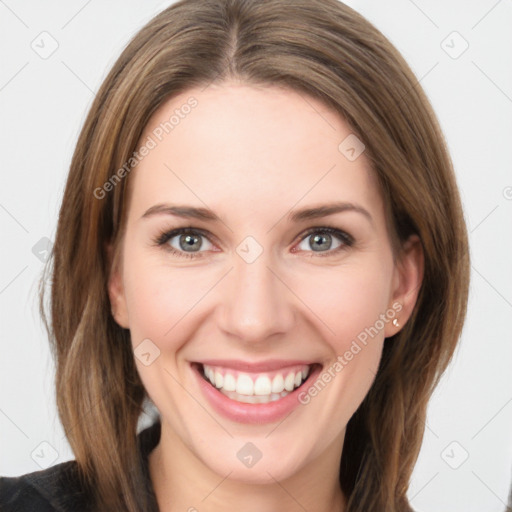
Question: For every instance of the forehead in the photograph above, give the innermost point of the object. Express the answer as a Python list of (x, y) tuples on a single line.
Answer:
[(249, 146)]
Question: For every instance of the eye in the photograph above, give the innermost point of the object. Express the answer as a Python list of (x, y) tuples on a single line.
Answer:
[(322, 241), (187, 242), (184, 242)]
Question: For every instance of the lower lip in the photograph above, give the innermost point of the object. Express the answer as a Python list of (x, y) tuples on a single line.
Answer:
[(252, 413)]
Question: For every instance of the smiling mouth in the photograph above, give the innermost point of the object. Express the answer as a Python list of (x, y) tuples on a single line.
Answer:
[(256, 388)]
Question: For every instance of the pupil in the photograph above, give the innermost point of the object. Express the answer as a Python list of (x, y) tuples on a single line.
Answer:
[(190, 241), (320, 238)]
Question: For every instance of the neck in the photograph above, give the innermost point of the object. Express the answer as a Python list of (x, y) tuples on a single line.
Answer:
[(182, 482)]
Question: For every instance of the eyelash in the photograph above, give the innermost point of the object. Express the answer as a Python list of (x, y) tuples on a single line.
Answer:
[(165, 236)]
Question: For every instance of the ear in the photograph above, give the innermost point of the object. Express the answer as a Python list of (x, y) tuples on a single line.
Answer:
[(116, 288), (407, 279)]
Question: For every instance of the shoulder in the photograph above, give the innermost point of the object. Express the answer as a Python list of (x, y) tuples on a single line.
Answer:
[(59, 488), (55, 489)]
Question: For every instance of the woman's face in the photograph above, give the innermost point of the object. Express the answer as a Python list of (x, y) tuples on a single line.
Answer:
[(262, 294)]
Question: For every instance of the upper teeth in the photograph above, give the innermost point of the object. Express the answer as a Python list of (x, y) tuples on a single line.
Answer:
[(256, 384)]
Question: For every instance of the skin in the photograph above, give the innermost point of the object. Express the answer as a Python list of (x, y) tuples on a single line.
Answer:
[(253, 155)]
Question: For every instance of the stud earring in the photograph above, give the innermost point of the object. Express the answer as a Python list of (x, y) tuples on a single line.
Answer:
[(395, 323)]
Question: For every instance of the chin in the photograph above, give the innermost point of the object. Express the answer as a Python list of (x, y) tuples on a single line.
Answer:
[(261, 473)]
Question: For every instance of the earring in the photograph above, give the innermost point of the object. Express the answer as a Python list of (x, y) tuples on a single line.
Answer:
[(395, 322)]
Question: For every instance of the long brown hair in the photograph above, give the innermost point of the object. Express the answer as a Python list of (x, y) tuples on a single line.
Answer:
[(320, 48)]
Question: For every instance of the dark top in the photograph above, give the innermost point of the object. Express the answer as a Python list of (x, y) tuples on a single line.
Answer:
[(58, 489)]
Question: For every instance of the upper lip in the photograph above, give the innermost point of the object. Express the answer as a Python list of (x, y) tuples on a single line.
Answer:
[(261, 366)]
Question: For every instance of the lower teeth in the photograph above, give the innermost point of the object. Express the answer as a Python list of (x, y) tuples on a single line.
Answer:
[(254, 399)]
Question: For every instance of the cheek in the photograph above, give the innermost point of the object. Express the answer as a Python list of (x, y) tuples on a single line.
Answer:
[(349, 300), (354, 339), (351, 306), (160, 302), (159, 297)]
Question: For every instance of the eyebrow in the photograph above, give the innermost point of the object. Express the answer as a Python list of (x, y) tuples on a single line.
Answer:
[(314, 212)]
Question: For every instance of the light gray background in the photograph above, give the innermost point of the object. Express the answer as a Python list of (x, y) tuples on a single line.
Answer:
[(43, 102)]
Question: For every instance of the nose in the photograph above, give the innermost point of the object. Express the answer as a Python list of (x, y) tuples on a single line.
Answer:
[(256, 303)]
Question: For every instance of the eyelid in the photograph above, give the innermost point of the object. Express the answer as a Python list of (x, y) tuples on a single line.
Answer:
[(340, 233), (163, 238), (166, 235)]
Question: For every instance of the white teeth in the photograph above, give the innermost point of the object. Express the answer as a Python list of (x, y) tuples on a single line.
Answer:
[(229, 382), (219, 380), (244, 385), (289, 382), (263, 387), (277, 384)]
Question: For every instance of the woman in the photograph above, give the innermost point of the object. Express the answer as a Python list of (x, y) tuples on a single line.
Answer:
[(232, 142)]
